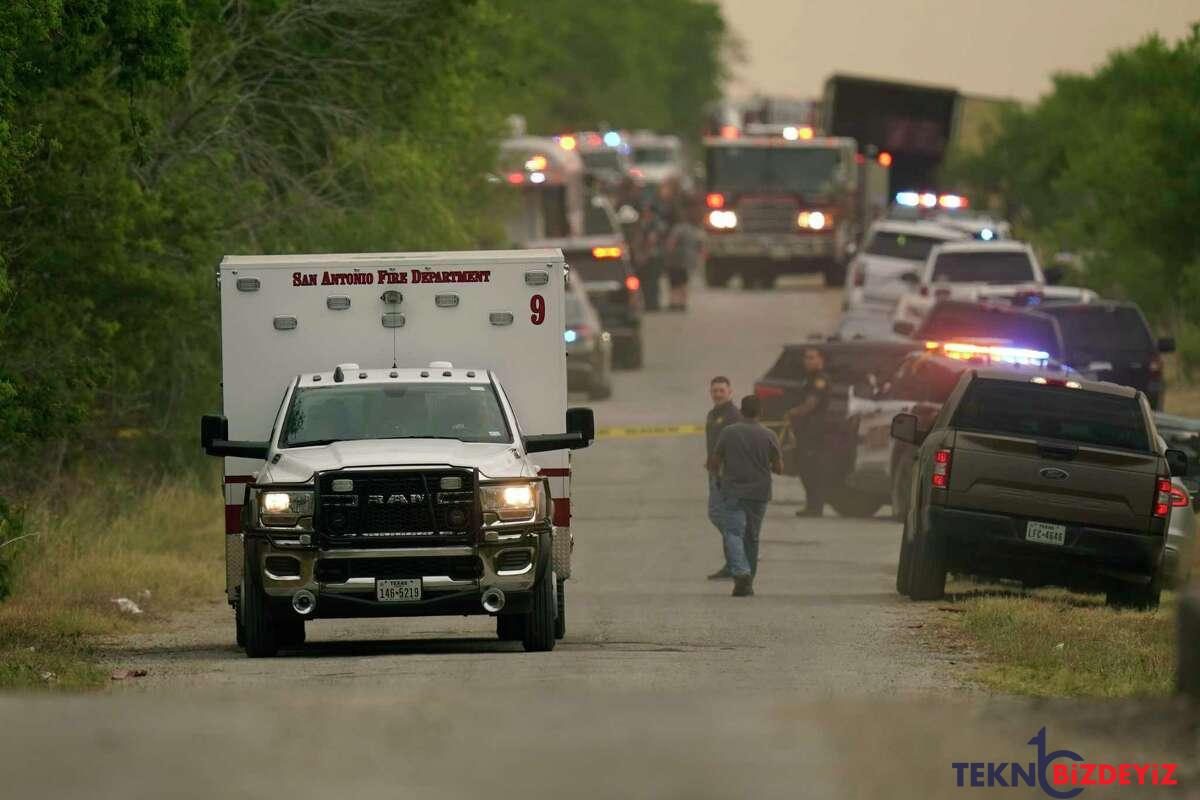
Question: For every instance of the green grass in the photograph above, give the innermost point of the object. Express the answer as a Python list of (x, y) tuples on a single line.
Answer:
[(1051, 643), (158, 545)]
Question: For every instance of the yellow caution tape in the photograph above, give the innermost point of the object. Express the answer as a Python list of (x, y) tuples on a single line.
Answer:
[(661, 431)]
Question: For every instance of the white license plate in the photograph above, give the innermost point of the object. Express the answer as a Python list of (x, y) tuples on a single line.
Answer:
[(1045, 533), (407, 590)]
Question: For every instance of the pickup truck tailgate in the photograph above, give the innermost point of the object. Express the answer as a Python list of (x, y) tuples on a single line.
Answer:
[(1053, 480)]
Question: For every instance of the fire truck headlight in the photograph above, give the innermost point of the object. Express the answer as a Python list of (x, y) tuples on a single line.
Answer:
[(511, 502), (284, 509), (722, 220), (813, 220)]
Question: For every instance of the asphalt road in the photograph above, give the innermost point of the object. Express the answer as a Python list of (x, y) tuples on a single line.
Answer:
[(824, 685)]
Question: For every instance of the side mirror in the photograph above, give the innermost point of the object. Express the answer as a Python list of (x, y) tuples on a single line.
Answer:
[(583, 422), (911, 278), (1054, 275), (1166, 344), (1177, 461), (627, 215), (214, 437), (581, 430), (904, 429), (904, 327)]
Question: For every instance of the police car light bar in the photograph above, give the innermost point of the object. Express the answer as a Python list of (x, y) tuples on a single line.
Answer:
[(993, 353), (910, 199), (952, 201)]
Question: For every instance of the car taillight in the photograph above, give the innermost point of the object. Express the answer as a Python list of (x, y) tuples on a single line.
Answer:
[(1179, 498), (632, 283), (941, 469), (1162, 498), (764, 392), (1155, 364)]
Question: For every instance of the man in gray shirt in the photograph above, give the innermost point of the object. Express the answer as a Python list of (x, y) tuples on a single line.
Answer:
[(745, 455)]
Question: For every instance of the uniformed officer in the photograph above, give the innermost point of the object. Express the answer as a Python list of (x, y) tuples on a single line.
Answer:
[(808, 425), (723, 414)]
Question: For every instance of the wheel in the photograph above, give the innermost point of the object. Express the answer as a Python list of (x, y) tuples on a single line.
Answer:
[(850, 503), (262, 640), (927, 570), (510, 627), (835, 274), (538, 636), (716, 275), (1141, 597), (560, 616), (904, 565), (627, 353)]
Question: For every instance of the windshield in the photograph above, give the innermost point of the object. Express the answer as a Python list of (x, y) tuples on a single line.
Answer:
[(602, 159), (1099, 329), (809, 170), (901, 245), (653, 155), (1027, 409), (983, 268), (464, 411), (950, 323)]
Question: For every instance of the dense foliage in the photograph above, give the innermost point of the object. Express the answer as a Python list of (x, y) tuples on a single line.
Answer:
[(142, 139), (1107, 166)]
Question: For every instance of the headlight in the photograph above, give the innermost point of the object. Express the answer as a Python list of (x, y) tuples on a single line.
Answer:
[(284, 509), (722, 220), (814, 220), (511, 502)]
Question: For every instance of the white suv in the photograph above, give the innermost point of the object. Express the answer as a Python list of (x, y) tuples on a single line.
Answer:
[(890, 263)]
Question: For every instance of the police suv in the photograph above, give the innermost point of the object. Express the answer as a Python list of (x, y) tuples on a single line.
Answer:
[(393, 440)]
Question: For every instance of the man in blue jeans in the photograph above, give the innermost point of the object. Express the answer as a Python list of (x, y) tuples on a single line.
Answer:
[(723, 414), (745, 455)]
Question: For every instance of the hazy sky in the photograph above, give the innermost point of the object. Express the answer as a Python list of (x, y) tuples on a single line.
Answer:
[(995, 47)]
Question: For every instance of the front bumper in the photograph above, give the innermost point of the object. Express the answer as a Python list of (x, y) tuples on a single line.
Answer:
[(770, 246), (343, 580), (990, 544)]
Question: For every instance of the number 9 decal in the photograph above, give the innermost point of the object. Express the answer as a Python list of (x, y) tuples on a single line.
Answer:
[(537, 304)]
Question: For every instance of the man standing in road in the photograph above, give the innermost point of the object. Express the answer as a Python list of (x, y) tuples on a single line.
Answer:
[(807, 422), (723, 414), (745, 455)]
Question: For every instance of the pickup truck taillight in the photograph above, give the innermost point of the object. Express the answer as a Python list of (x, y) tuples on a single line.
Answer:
[(1162, 498), (941, 469), (763, 392)]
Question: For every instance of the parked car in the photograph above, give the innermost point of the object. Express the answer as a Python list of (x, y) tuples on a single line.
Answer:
[(890, 261), (589, 346), (1040, 479), (962, 321), (1111, 341), (1182, 433), (602, 266)]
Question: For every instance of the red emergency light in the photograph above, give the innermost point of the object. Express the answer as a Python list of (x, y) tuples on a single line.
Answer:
[(516, 178), (885, 159), (714, 200)]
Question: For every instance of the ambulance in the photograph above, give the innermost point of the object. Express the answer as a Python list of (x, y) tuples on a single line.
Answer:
[(396, 441)]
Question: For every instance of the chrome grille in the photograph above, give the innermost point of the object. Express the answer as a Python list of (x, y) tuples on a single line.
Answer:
[(339, 570), (396, 509), (767, 216)]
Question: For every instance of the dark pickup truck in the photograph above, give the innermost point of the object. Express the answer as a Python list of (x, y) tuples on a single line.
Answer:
[(1042, 479)]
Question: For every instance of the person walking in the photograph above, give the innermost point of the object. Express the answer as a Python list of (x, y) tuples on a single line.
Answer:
[(807, 422), (685, 253), (745, 455), (722, 414)]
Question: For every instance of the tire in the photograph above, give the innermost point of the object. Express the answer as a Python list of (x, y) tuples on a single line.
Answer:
[(904, 565), (538, 636), (850, 503), (262, 640), (560, 616), (510, 627), (835, 274), (1136, 596), (716, 275), (927, 567)]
